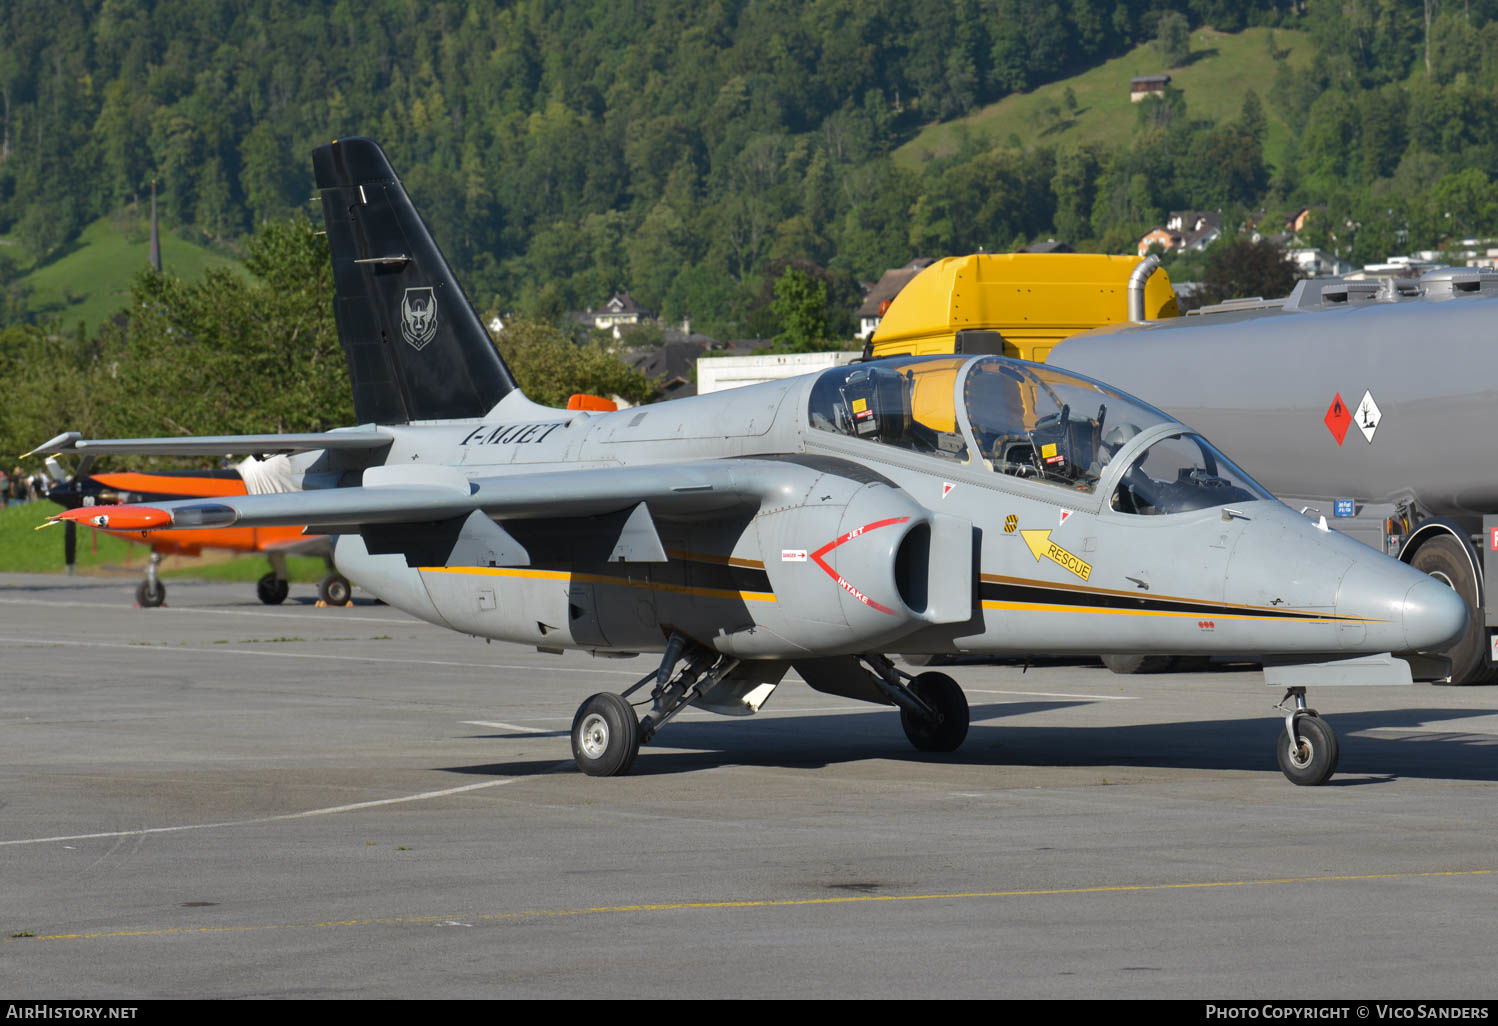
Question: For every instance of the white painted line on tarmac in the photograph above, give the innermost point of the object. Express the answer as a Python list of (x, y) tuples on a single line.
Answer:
[(236, 612), (218, 650), (424, 796), (1053, 694), (508, 726)]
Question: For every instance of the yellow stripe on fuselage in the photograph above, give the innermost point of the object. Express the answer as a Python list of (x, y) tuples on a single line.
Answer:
[(622, 582)]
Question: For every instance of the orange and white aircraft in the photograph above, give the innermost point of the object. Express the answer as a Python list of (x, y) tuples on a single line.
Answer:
[(275, 542)]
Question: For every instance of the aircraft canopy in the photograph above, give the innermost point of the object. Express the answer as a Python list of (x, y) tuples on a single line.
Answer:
[(1027, 420)]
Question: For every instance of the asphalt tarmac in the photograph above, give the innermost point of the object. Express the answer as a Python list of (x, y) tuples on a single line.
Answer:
[(219, 799)]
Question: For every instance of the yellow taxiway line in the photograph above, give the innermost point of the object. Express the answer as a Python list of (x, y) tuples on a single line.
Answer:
[(703, 906)]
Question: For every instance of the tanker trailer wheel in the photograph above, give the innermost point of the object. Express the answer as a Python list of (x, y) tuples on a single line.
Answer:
[(1442, 557)]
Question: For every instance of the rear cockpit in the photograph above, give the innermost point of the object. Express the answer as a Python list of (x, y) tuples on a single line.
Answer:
[(1032, 422)]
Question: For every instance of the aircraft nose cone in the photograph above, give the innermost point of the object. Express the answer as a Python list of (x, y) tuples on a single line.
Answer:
[(1433, 615)]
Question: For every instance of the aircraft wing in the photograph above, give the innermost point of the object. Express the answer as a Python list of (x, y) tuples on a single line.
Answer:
[(214, 445), (423, 494)]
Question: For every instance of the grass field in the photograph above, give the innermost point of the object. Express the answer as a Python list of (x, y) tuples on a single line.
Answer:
[(1223, 67), (25, 550), (92, 280)]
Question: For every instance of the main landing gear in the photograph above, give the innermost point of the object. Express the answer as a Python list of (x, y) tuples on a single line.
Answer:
[(606, 736), (933, 709), (334, 589), (1307, 748)]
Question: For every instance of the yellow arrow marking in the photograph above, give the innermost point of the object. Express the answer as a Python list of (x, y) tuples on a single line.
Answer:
[(1041, 545)]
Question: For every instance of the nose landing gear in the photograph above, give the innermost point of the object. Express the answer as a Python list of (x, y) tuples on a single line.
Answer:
[(1307, 748)]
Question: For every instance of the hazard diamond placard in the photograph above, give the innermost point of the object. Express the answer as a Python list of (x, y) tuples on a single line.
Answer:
[(1338, 418)]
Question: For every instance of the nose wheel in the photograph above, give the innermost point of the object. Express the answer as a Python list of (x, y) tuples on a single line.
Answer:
[(151, 592), (1307, 747)]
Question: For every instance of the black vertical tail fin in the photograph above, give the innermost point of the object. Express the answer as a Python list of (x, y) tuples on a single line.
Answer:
[(416, 348)]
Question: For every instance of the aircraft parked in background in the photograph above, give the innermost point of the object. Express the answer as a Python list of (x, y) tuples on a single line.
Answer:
[(81, 491)]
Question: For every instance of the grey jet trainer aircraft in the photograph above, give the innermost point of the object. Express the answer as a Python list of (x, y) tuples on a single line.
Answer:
[(942, 504)]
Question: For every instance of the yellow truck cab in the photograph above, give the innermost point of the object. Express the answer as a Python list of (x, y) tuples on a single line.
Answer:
[(1019, 304)]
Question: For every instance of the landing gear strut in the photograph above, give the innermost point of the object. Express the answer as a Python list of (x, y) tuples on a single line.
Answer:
[(933, 709), (1307, 748), (151, 593), (274, 586), (606, 737)]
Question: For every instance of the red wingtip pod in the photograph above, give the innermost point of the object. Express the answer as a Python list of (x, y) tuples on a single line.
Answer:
[(119, 518)]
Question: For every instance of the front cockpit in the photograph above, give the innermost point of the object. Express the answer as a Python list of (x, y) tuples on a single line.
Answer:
[(1032, 422)]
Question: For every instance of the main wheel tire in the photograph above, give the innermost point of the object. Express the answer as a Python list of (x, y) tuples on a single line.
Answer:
[(271, 590), (605, 736), (1138, 663), (335, 590), (149, 598), (1442, 557), (1312, 759), (948, 733)]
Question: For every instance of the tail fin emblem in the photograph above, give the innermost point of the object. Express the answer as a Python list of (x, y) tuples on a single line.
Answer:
[(418, 317)]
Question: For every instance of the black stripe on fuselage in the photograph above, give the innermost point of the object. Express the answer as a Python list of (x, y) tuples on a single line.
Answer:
[(999, 589)]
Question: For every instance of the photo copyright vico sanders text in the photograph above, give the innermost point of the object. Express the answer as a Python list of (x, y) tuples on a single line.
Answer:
[(1372, 1010)]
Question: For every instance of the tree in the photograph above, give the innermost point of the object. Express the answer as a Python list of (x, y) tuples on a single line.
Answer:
[(550, 367), (240, 355), (800, 307), (1239, 268), (1173, 39)]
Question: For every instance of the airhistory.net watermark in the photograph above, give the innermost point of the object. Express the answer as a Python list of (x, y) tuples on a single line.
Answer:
[(69, 1010)]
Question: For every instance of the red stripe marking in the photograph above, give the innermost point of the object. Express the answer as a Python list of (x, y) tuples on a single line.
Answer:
[(843, 582)]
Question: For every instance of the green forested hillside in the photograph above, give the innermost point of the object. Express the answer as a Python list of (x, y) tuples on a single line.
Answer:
[(560, 150), (688, 150), (1223, 68), (91, 278)]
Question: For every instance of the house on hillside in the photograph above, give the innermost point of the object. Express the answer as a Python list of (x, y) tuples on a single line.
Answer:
[(672, 365), (618, 311), (1297, 221), (876, 301), (1187, 230), (1141, 86), (1318, 263)]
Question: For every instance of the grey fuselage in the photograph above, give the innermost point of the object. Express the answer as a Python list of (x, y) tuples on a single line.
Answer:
[(859, 546)]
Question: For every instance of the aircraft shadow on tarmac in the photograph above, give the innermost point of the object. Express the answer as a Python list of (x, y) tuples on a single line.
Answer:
[(1439, 752)]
